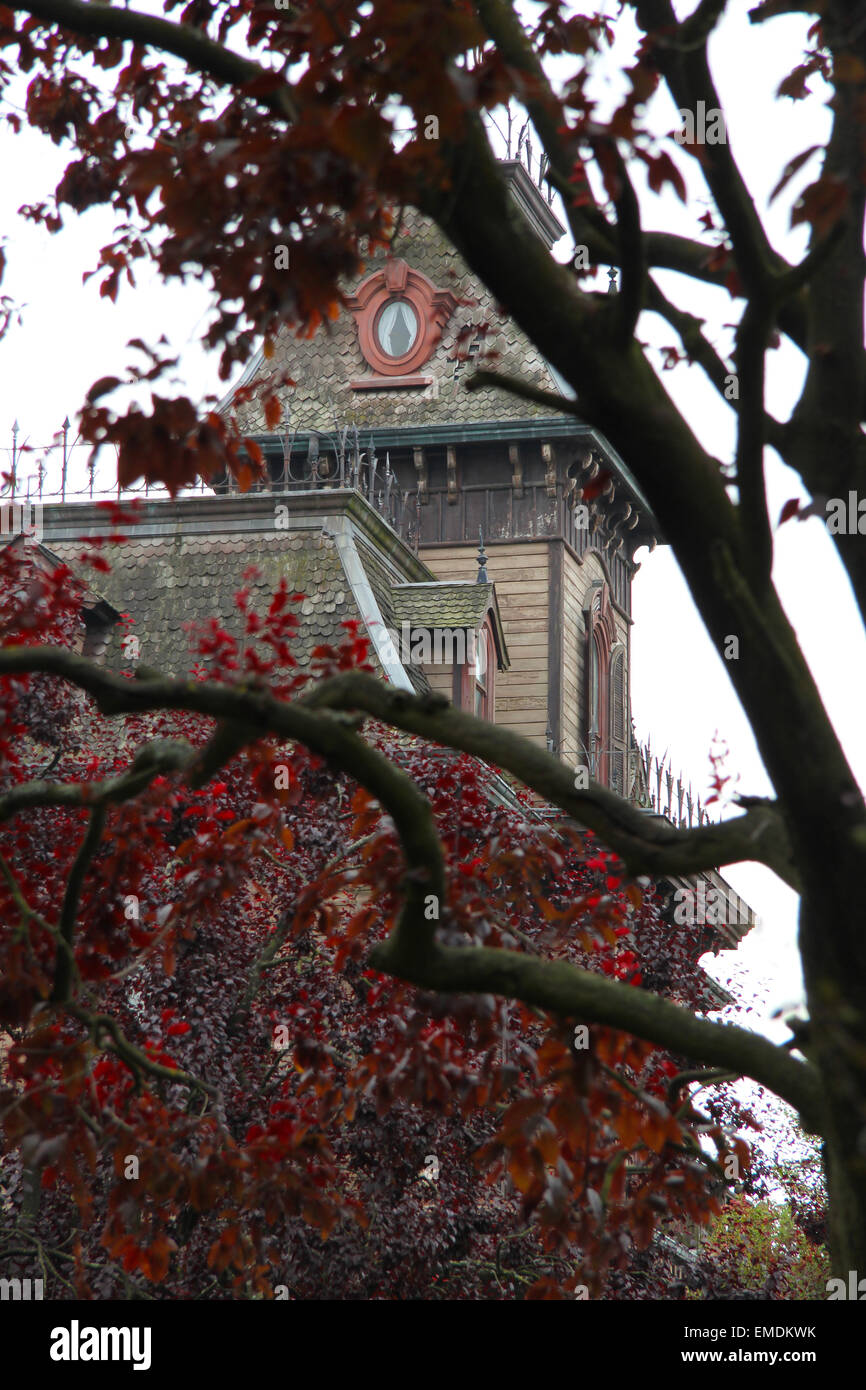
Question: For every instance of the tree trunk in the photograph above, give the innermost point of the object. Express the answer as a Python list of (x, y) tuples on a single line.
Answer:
[(836, 994)]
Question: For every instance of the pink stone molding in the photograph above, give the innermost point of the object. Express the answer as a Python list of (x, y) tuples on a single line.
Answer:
[(433, 309)]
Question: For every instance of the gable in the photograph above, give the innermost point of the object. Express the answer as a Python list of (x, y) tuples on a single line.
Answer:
[(325, 367)]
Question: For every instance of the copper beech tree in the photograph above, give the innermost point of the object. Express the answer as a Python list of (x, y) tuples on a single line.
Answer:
[(256, 124), (205, 1071)]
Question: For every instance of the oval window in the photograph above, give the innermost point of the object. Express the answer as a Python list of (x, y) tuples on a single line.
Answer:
[(397, 328)]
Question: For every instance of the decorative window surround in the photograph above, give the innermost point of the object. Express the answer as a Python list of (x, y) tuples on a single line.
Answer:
[(432, 309), (389, 383)]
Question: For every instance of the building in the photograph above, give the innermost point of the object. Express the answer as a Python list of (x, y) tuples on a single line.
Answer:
[(485, 541)]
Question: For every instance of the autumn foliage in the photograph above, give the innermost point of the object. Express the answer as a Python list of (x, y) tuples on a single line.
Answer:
[(208, 1093)]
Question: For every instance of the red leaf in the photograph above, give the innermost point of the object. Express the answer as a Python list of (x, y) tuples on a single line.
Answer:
[(102, 387), (822, 204), (791, 168), (661, 170)]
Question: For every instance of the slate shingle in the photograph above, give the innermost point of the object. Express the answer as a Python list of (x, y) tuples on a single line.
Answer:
[(324, 366)]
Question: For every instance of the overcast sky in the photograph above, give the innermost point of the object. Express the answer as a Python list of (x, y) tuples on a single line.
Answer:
[(680, 690)]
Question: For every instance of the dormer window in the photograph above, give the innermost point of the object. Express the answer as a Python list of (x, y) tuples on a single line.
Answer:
[(400, 316)]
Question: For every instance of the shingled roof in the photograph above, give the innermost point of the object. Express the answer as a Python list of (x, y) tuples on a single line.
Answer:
[(185, 561), (450, 604), (325, 366), (444, 603)]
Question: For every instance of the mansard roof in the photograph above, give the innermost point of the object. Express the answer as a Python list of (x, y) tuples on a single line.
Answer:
[(185, 560), (337, 389)]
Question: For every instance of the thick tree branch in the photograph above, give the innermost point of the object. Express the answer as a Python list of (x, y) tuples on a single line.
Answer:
[(74, 884), (825, 440), (623, 396), (644, 846), (410, 952), (751, 358), (567, 990)]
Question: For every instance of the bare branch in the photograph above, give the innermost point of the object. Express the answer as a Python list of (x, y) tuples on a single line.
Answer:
[(516, 386), (752, 337), (687, 73), (69, 910), (587, 223)]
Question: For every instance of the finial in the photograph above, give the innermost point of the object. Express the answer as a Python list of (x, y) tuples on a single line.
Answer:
[(482, 560), (612, 287)]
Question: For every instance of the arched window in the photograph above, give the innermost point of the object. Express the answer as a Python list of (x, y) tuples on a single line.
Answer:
[(617, 696), (474, 679), (482, 674), (600, 632), (618, 705)]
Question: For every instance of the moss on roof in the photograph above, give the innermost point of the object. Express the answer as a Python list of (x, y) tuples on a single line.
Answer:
[(450, 604)]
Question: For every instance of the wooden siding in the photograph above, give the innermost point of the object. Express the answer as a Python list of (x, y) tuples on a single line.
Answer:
[(521, 573)]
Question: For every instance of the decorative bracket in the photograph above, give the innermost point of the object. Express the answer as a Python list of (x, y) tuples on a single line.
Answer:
[(451, 455), (516, 469)]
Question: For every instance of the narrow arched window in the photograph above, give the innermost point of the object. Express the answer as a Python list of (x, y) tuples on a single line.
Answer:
[(482, 674), (600, 637), (618, 723), (474, 679)]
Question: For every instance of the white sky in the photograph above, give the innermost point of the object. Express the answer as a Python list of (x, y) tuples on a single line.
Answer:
[(681, 694)]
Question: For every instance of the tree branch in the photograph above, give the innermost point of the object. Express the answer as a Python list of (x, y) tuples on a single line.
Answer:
[(644, 845), (152, 760), (630, 299), (523, 389), (751, 359), (201, 54), (410, 951), (587, 223), (567, 990), (135, 1059), (687, 73), (68, 912)]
